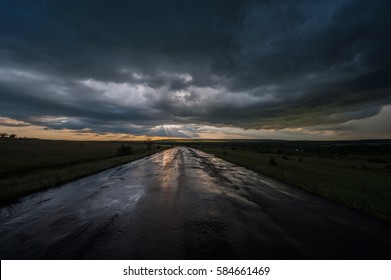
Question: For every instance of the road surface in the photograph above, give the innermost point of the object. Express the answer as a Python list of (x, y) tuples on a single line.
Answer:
[(185, 204)]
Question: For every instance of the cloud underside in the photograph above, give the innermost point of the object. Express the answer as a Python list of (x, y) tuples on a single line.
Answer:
[(179, 69)]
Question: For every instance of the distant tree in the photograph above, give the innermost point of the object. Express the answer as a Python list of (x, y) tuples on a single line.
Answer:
[(12, 135), (149, 143), (3, 134)]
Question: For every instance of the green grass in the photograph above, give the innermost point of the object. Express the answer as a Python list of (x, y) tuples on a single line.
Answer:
[(31, 165), (354, 181)]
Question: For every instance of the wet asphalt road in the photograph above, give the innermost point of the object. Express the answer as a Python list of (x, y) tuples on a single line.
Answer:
[(184, 204)]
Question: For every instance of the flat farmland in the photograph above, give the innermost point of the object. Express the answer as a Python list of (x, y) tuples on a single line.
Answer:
[(30, 165), (354, 173)]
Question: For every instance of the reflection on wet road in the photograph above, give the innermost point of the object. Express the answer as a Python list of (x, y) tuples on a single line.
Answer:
[(184, 204)]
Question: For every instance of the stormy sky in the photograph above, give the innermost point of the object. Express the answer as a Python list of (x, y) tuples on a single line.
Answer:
[(196, 69)]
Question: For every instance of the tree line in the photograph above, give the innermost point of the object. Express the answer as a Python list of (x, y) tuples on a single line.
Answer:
[(6, 135)]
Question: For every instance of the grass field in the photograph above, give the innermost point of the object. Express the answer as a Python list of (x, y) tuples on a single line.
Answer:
[(30, 165), (357, 174), (359, 179)]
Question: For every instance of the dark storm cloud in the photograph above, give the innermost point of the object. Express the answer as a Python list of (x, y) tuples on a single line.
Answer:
[(130, 66), (96, 38)]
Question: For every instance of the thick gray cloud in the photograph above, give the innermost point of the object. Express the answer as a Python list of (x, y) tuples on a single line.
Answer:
[(131, 66)]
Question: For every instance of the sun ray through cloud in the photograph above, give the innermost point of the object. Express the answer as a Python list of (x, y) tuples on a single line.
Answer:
[(309, 69)]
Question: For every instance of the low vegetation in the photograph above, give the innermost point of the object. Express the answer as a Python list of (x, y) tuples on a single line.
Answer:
[(356, 173), (30, 165)]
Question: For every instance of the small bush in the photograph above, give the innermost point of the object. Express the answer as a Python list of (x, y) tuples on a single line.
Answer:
[(124, 150), (273, 161), (285, 157), (363, 166), (300, 159), (377, 160), (225, 153)]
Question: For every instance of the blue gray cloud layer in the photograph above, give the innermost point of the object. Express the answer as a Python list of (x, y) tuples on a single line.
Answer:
[(128, 66)]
